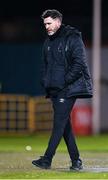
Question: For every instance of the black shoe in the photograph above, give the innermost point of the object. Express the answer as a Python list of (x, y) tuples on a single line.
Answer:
[(43, 162), (76, 165)]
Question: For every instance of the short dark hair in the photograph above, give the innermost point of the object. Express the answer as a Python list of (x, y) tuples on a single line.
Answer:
[(53, 13)]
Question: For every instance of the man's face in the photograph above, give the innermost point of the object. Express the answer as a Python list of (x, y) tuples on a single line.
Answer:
[(52, 25)]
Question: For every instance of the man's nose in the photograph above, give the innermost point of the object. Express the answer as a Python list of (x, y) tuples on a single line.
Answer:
[(47, 26)]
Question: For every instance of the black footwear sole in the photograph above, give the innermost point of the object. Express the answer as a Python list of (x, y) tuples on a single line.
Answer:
[(76, 168), (42, 167)]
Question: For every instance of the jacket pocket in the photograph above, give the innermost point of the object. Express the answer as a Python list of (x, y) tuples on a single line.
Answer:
[(57, 78), (79, 86)]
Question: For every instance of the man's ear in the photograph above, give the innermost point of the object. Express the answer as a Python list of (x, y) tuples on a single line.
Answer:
[(59, 22)]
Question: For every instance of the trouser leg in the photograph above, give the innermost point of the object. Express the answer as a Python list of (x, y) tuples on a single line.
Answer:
[(70, 141), (62, 109)]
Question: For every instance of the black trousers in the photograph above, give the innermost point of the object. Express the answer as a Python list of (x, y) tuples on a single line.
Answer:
[(62, 127)]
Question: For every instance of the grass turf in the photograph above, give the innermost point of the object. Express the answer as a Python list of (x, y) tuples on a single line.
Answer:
[(15, 160)]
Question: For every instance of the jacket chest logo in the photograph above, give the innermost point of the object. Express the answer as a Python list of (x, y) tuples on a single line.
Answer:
[(49, 48), (60, 47)]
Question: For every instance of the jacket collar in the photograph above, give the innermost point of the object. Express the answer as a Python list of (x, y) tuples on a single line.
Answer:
[(59, 32)]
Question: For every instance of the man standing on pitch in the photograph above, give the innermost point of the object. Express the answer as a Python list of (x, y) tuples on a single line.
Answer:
[(65, 77)]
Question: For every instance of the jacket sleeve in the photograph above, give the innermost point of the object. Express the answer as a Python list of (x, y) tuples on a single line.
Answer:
[(43, 66), (76, 59)]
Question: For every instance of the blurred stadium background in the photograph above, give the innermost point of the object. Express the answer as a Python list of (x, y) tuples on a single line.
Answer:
[(23, 107)]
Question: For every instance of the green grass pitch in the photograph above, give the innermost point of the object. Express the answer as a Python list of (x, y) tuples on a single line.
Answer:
[(15, 159)]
